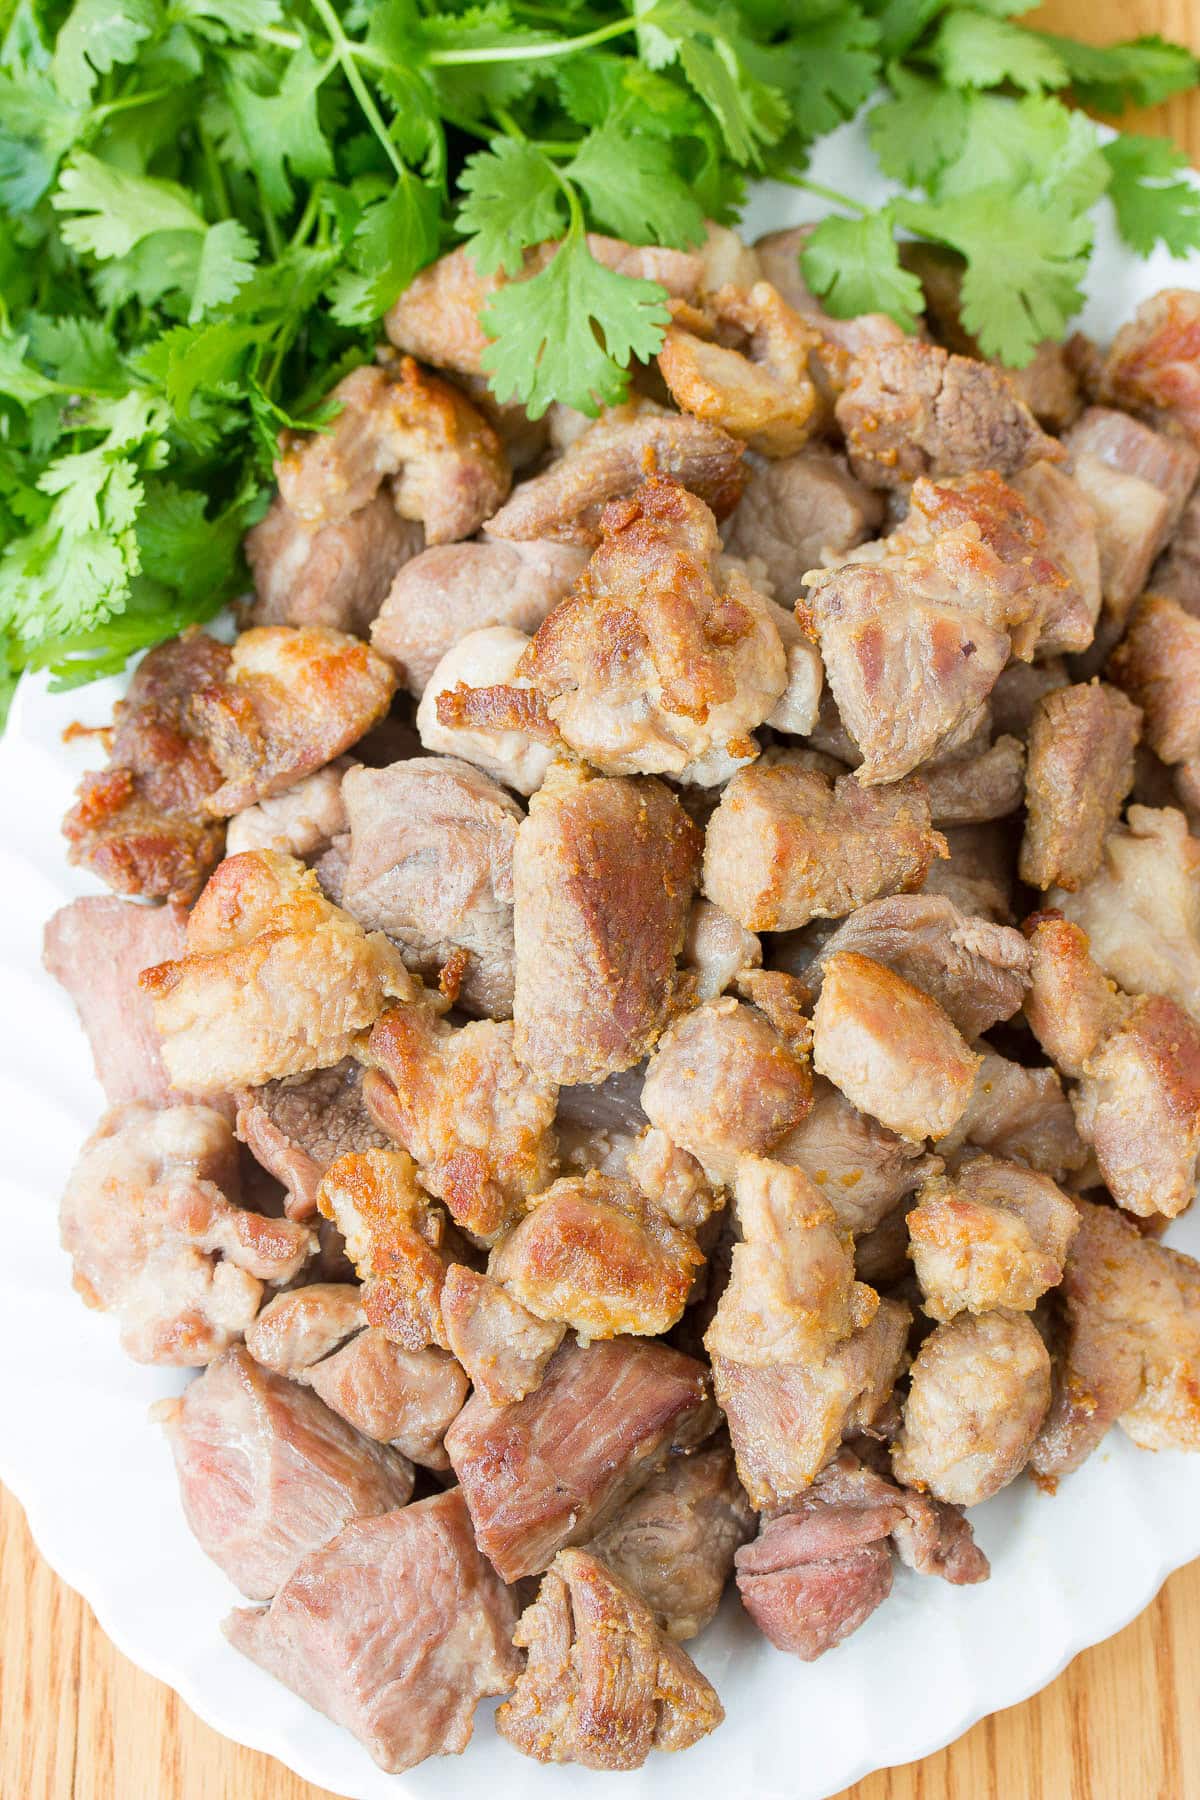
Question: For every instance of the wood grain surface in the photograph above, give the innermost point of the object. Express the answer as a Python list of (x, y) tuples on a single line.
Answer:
[(79, 1722)]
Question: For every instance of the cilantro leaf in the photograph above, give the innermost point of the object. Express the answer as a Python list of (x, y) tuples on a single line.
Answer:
[(283, 130), (921, 131), (1036, 144), (1153, 207), (977, 51), (113, 210), (1111, 77), (95, 37), (513, 199), (633, 190), (220, 20), (826, 68), (568, 332), (854, 266), (395, 237), (227, 257)]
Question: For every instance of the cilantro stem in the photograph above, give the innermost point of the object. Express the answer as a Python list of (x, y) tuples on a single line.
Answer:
[(449, 59), (346, 52), (824, 193)]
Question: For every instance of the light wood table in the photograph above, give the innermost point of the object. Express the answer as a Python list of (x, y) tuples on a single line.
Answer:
[(78, 1722)]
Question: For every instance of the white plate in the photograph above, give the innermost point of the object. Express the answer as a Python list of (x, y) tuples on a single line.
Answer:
[(98, 1484)]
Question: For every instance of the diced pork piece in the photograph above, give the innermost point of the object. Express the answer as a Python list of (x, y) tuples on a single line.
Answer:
[(911, 409), (1132, 1349), (479, 1124), (1137, 481), (452, 589), (603, 876), (979, 873), (553, 1468), (396, 1239), (673, 1180), (1158, 665), (296, 1127), (784, 1000), (862, 1170), (797, 510), (395, 1630), (603, 1685), (1018, 689), (979, 1391), (275, 981), (97, 947), (303, 821), (893, 1051), (674, 1542), (798, 707), (994, 1234), (787, 845), (267, 1472), (594, 1253), (293, 698), (151, 1223), (335, 574), (445, 464), (1153, 366), (319, 1335), (488, 659), (609, 462), (1141, 911), (779, 258), (787, 1421), (503, 1347), (1081, 746), (431, 849), (718, 949), (791, 1294), (973, 789), (1176, 574), (935, 1539), (976, 971), (1070, 1006), (723, 1084), (1020, 1113), (1072, 539), (1139, 1108), (142, 824), (741, 362)]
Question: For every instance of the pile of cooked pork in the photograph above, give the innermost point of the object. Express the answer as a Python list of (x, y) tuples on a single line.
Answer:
[(669, 1027)]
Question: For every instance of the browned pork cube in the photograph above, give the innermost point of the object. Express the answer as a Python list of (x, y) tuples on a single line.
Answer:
[(395, 1630), (1137, 481), (550, 1469), (503, 1347), (336, 574), (974, 787), (1081, 746), (863, 1170), (1158, 665), (297, 1126), (1153, 366), (994, 1234), (1176, 574), (797, 509)]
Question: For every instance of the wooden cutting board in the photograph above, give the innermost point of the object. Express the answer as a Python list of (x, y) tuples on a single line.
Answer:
[(78, 1722)]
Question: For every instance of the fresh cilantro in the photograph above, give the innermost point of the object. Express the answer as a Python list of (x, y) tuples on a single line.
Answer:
[(96, 36), (975, 50), (920, 131), (1154, 202), (631, 192), (513, 199), (854, 267), (1111, 77)]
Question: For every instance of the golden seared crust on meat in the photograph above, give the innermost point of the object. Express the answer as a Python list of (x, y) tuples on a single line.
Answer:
[(1073, 540), (603, 876), (1153, 366), (786, 845), (1138, 1106), (603, 1685), (1070, 1005), (1158, 665), (446, 465), (291, 699), (594, 1253), (741, 362), (993, 1234), (276, 981), (503, 1347), (394, 1237), (893, 1051), (479, 1123), (1081, 745)]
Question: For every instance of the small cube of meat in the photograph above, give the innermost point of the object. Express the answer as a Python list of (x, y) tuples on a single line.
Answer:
[(97, 947), (553, 1468), (1073, 540), (723, 1084), (142, 824), (603, 877), (797, 510), (151, 1223), (478, 1122), (1081, 746), (973, 787), (1138, 1106), (486, 660), (893, 1051), (674, 1542), (779, 259), (1070, 1006), (787, 1421), (292, 699), (503, 1347), (607, 463), (861, 1169), (430, 865), (395, 1238), (912, 409), (594, 1253), (445, 464), (799, 706), (267, 1472), (1022, 1114), (396, 1629), (740, 361), (275, 981), (602, 1684), (979, 1391), (1132, 1348), (1176, 574), (786, 845), (303, 821), (335, 574), (1018, 689), (1158, 665), (718, 949), (452, 589), (297, 1126), (979, 875), (1153, 366), (976, 971), (673, 1180), (994, 1234), (1137, 481), (298, 1329)]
